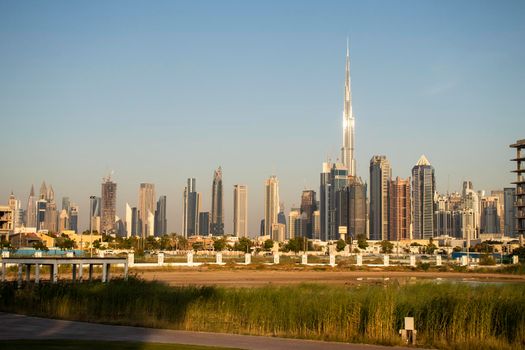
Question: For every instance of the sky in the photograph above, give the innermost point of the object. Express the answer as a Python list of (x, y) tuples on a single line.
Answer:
[(165, 90)]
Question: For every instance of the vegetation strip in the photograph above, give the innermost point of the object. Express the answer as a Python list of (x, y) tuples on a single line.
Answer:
[(447, 316)]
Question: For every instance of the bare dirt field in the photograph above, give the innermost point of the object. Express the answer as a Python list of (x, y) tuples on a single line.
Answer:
[(253, 278)]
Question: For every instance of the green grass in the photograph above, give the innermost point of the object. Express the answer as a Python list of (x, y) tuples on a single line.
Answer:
[(447, 316), (88, 345)]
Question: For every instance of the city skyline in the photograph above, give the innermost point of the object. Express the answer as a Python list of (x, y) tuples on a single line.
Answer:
[(319, 94)]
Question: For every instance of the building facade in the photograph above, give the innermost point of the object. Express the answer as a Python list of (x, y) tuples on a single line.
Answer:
[(380, 175), (423, 188), (271, 204), (146, 207), (240, 210), (399, 209), (108, 208)]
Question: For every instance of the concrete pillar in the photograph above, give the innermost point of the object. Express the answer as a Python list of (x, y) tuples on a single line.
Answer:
[(19, 279), (38, 254), (304, 259), (90, 273), (218, 258), (3, 272), (160, 259), (386, 260), (464, 261), (28, 273), (125, 271), (247, 258), (515, 259), (80, 271), (359, 259), (54, 271), (276, 258), (74, 272), (108, 270), (190, 258), (37, 273), (412, 261), (104, 272), (332, 260), (438, 260), (131, 259)]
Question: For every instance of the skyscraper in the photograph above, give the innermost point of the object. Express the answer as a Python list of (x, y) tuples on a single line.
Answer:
[(380, 175), (217, 215), (204, 223), (108, 206), (190, 210), (128, 220), (347, 151), (509, 216), (51, 214), (73, 217), (240, 210), (294, 223), (333, 178), (423, 187), (308, 207), (351, 213), (470, 201), (161, 223), (95, 205), (271, 204), (519, 203), (399, 209), (31, 209), (146, 205)]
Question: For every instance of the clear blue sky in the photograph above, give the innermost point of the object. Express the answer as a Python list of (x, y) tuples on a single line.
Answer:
[(160, 91)]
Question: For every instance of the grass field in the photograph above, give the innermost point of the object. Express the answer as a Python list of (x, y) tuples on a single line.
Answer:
[(447, 316), (89, 345)]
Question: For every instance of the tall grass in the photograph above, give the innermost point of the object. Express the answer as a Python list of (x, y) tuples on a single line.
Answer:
[(450, 316)]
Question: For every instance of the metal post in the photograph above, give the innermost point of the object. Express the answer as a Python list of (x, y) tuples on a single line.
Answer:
[(108, 277), (37, 273)]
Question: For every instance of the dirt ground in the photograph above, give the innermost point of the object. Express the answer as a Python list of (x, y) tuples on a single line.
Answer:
[(252, 278)]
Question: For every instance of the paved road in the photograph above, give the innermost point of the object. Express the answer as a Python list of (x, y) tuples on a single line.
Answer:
[(25, 327)]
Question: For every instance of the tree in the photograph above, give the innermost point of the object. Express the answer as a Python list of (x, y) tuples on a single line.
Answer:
[(181, 243), (243, 245), (386, 247), (39, 245), (268, 245), (340, 245), (64, 242), (430, 248), (219, 244), (165, 242), (198, 246), (151, 243), (361, 241)]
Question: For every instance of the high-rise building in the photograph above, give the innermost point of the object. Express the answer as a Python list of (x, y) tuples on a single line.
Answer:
[(470, 201), (63, 221), (146, 206), (333, 178), (294, 223), (490, 218), (108, 208), (135, 221), (161, 223), (308, 207), (128, 220), (51, 213), (317, 225), (351, 218), (66, 204), (271, 204), (510, 211), (30, 220), (204, 223), (240, 210), (500, 208), (217, 214), (73, 217), (191, 208), (18, 213), (399, 209), (519, 202), (95, 210), (423, 187), (347, 151), (380, 175)]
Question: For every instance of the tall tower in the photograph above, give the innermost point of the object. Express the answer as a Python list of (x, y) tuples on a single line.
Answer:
[(399, 209), (380, 175), (146, 206), (31, 209), (240, 210), (271, 204), (108, 205), (190, 209), (347, 151), (217, 215), (423, 187)]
